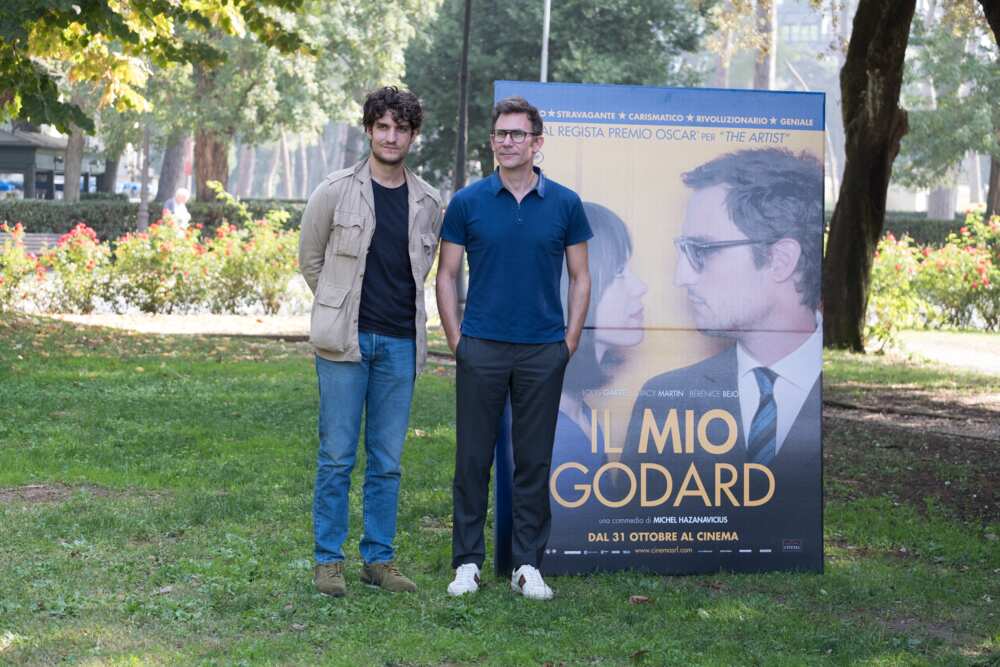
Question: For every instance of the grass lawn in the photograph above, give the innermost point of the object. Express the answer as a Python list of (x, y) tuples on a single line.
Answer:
[(155, 498)]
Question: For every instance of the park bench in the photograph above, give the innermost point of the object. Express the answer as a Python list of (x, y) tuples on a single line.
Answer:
[(34, 243)]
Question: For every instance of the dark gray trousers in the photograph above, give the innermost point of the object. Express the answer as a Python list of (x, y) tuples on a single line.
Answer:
[(485, 371)]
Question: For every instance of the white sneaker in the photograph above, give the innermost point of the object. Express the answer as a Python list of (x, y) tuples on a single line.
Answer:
[(466, 580), (527, 581)]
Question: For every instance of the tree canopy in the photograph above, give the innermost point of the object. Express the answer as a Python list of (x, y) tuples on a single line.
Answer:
[(953, 82), (607, 41), (110, 44)]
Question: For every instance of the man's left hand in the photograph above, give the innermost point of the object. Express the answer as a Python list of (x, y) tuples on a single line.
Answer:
[(571, 345)]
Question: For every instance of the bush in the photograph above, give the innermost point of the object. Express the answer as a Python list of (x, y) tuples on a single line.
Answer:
[(108, 219), (158, 271), (103, 196), (80, 264), (252, 264), (959, 279), (893, 301), (16, 264), (112, 218), (917, 226)]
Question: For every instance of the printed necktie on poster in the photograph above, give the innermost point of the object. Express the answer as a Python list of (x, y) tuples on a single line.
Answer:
[(762, 443)]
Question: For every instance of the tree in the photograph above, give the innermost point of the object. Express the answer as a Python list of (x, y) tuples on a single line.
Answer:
[(991, 8), (110, 45), (618, 41), (962, 71), (874, 124), (258, 91)]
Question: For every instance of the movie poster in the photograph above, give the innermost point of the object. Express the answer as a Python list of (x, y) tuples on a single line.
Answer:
[(689, 434)]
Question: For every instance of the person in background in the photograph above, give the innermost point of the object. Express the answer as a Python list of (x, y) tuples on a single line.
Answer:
[(175, 208)]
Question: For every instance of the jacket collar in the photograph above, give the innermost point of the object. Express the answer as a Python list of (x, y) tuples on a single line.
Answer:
[(416, 187)]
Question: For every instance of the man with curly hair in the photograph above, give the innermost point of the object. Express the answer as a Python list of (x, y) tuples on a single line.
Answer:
[(369, 233)]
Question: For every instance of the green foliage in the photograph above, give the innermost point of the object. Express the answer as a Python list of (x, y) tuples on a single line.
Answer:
[(163, 270), (954, 285), (610, 41), (103, 196), (158, 271), (108, 44), (917, 226), (16, 264), (80, 264), (952, 84), (253, 264), (111, 219), (893, 303), (922, 230), (962, 278), (108, 218)]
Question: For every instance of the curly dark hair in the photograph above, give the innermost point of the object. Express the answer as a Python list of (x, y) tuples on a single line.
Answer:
[(773, 193), (402, 104)]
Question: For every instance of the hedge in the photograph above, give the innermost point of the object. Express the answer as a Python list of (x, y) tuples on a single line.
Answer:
[(112, 219)]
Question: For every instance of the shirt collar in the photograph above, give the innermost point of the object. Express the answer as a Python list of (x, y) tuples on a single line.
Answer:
[(496, 185), (798, 368)]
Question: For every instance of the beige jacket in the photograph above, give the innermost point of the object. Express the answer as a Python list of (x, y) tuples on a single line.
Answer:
[(337, 228)]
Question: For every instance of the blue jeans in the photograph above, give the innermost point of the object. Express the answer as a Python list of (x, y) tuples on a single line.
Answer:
[(381, 385)]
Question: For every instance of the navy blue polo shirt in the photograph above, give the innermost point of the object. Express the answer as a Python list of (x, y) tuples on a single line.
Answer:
[(515, 256)]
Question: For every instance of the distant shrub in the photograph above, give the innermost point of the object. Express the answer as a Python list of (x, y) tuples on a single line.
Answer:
[(16, 264), (109, 219), (158, 271), (80, 266), (113, 218), (893, 301)]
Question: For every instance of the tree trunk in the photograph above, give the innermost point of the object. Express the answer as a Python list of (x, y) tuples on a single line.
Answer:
[(324, 161), (108, 181), (767, 30), (342, 137), (302, 187), (73, 164), (992, 10), (142, 218), (874, 125), (244, 170), (354, 146), (725, 58), (172, 168), (272, 172), (286, 165), (993, 193), (941, 203), (975, 173), (211, 162)]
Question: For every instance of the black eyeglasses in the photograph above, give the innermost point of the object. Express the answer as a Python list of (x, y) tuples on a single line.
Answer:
[(517, 136), (697, 251)]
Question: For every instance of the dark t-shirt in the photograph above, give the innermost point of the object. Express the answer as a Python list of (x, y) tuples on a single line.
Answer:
[(388, 293), (515, 253)]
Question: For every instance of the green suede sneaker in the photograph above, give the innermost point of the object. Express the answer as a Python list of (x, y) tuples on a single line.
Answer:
[(329, 578), (385, 575)]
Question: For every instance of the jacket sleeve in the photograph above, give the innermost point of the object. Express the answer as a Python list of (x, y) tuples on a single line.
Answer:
[(315, 234)]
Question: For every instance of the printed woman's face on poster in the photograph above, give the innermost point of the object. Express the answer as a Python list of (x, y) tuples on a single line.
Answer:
[(619, 314)]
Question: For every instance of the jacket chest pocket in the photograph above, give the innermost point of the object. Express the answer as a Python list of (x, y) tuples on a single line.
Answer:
[(428, 242), (348, 234)]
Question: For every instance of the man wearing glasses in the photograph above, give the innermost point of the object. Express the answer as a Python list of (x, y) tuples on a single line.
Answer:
[(517, 227), (749, 257)]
